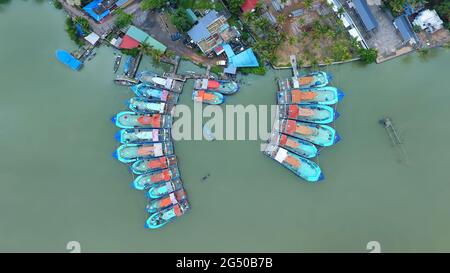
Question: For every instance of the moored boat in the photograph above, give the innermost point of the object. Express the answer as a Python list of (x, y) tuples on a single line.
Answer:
[(324, 95), (313, 79), (302, 167), (207, 97), (149, 165), (293, 144), (316, 113), (154, 79), (141, 136), (159, 190), (142, 105), (161, 218), (165, 202), (322, 135), (117, 61), (128, 153), (150, 92), (129, 120), (226, 87), (144, 181)]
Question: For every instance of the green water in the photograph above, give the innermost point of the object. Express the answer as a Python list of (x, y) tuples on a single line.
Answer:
[(59, 183)]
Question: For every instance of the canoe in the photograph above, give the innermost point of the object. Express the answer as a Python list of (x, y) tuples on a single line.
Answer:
[(128, 153), (144, 181), (165, 202), (301, 147), (150, 165), (159, 190), (155, 80), (141, 136), (130, 120), (145, 106), (313, 79), (67, 59), (315, 113), (225, 87), (117, 61), (322, 135), (302, 167), (327, 95), (207, 97), (161, 218), (150, 92)]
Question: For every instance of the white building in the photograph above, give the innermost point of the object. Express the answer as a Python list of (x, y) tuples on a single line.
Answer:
[(428, 20)]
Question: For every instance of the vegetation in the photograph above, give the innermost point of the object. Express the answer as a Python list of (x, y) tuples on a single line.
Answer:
[(57, 4), (216, 69), (200, 4), (368, 55), (181, 20), (148, 50), (152, 4), (235, 6), (131, 52), (123, 19), (442, 7), (71, 29), (260, 70)]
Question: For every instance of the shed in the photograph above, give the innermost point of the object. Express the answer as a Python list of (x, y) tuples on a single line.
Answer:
[(405, 29), (92, 38), (365, 14)]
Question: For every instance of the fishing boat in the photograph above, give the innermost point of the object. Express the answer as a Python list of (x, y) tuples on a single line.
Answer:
[(143, 105), (314, 79), (150, 92), (327, 95), (162, 217), (128, 153), (150, 165), (141, 136), (207, 97), (301, 147), (155, 80), (125, 81), (127, 65), (302, 167), (165, 202), (117, 61), (144, 181), (322, 135), (315, 113), (159, 190), (130, 120), (225, 87), (67, 59)]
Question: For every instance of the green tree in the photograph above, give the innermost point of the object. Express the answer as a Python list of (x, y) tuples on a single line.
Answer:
[(152, 4), (181, 20), (57, 4), (235, 6), (368, 55), (308, 4), (123, 19)]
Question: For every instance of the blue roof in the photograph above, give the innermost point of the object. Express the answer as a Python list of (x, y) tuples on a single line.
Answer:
[(365, 14), (67, 59), (404, 27), (244, 59), (89, 8), (230, 70), (200, 30), (228, 50)]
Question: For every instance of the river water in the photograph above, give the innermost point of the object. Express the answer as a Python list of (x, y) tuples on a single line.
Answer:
[(59, 183)]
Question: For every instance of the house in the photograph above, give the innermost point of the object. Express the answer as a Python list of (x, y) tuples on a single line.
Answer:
[(403, 25), (211, 31), (428, 20), (99, 9), (364, 12), (135, 36), (249, 5)]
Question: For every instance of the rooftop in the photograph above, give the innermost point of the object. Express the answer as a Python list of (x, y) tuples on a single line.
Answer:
[(404, 27), (249, 5), (200, 30), (365, 14)]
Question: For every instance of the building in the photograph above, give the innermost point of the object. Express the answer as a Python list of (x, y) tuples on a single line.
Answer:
[(366, 15), (249, 5), (99, 9), (429, 21), (74, 2), (245, 58), (403, 25), (211, 31), (135, 36)]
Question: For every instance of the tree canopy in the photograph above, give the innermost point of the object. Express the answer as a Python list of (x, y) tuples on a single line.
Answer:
[(123, 19), (152, 4), (181, 20)]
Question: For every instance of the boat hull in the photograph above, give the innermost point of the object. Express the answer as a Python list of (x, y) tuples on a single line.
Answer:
[(163, 217), (159, 190), (150, 92), (221, 86), (145, 106), (314, 79), (213, 98), (144, 181), (150, 165), (320, 114), (327, 95), (130, 120), (128, 153), (165, 202), (321, 135), (142, 136), (301, 147)]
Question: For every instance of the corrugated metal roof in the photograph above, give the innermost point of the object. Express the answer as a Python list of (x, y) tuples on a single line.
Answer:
[(200, 31), (244, 59), (143, 37), (365, 14), (403, 26)]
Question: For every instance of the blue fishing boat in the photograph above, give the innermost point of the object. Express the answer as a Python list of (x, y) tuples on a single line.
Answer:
[(301, 147), (159, 190), (144, 181), (207, 97), (130, 120), (150, 92), (322, 135), (142, 136), (302, 167), (226, 87), (161, 218), (315, 113), (327, 95), (143, 105), (69, 60), (128, 153), (165, 202), (127, 65), (150, 165), (155, 80), (311, 80)]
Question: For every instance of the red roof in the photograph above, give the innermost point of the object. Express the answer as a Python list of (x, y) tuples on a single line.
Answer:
[(249, 5), (128, 42)]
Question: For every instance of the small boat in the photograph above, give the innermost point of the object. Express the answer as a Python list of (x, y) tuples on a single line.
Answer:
[(149, 92), (141, 136), (125, 81), (144, 181), (221, 86), (128, 153), (69, 60), (302, 167), (165, 202), (314, 79), (322, 135), (315, 113), (143, 105), (161, 218), (127, 65), (159, 190), (130, 120), (117, 62), (150, 165), (324, 95), (155, 80), (207, 97), (301, 147)]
